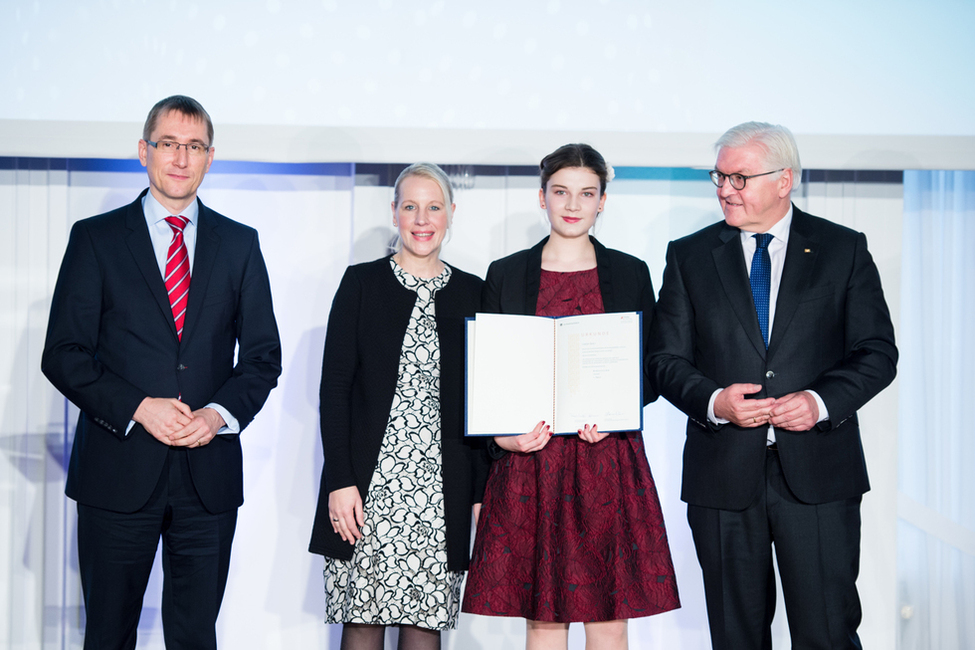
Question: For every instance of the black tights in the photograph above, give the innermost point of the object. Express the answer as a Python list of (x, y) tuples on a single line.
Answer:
[(356, 636)]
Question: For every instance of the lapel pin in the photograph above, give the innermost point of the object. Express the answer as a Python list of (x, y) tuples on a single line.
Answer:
[(806, 250)]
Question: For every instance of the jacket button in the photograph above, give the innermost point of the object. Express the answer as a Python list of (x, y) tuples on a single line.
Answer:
[(769, 374)]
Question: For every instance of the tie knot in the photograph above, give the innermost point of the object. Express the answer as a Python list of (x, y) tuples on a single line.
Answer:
[(177, 223), (762, 240)]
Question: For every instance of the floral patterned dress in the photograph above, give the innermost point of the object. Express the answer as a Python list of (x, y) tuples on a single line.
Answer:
[(398, 573)]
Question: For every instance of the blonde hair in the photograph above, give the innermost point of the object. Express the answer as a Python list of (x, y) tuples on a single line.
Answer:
[(431, 172)]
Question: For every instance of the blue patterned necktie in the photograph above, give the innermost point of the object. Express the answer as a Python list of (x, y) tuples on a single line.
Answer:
[(761, 281)]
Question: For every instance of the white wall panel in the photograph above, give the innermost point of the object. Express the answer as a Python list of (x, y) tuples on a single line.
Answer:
[(389, 81), (312, 225)]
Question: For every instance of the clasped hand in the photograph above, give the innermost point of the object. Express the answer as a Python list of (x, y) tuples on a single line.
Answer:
[(792, 412), (173, 423)]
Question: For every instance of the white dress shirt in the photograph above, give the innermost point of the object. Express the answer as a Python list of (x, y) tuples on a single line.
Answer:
[(776, 251), (161, 236)]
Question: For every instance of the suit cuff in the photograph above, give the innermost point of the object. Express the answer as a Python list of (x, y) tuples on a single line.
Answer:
[(823, 412), (712, 418), (494, 450), (231, 425)]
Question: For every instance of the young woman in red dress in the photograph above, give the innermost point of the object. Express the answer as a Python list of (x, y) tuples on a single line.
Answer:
[(571, 528)]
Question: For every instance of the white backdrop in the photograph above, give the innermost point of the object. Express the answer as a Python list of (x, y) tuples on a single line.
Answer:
[(936, 486), (870, 67), (866, 85), (312, 226), (874, 84)]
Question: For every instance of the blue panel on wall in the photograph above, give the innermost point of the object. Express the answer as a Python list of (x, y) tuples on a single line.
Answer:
[(388, 173), (661, 174), (104, 165), (294, 169), (134, 166), (33, 164)]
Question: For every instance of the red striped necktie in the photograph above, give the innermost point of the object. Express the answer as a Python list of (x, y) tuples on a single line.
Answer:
[(177, 276)]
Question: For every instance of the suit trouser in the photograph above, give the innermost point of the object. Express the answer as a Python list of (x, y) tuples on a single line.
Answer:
[(817, 548), (116, 552)]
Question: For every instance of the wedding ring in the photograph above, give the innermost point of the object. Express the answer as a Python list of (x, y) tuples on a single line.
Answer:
[(335, 518)]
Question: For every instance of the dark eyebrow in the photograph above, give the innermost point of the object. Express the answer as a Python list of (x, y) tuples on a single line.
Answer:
[(590, 188)]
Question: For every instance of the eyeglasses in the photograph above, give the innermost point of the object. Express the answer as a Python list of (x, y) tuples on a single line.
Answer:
[(737, 180), (172, 148)]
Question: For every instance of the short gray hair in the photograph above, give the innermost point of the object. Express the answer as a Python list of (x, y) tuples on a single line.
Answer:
[(777, 141), (181, 104)]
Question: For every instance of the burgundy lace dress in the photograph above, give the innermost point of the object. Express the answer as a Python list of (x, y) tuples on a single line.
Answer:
[(573, 532)]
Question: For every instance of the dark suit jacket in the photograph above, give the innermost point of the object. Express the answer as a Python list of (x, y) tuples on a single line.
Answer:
[(111, 342), (831, 334), (512, 285), (363, 343)]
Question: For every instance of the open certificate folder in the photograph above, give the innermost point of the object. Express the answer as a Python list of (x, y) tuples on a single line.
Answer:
[(567, 371)]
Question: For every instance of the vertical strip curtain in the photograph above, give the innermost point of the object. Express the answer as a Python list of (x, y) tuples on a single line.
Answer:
[(936, 480)]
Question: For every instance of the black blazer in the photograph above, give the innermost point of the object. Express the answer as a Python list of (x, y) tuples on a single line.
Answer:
[(512, 285), (111, 342), (370, 313), (832, 334)]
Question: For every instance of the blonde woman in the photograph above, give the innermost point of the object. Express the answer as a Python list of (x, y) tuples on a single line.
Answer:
[(400, 480)]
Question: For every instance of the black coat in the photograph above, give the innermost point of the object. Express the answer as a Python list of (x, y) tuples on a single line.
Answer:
[(111, 342), (369, 317), (512, 285), (832, 334)]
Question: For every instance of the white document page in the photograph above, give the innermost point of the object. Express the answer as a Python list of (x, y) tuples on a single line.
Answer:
[(513, 356), (598, 366)]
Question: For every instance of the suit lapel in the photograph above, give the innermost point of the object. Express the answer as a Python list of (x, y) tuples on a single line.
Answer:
[(800, 258), (533, 277), (604, 272), (140, 245), (207, 247), (733, 274)]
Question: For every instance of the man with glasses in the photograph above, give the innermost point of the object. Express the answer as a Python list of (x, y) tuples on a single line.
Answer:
[(770, 332), (151, 302)]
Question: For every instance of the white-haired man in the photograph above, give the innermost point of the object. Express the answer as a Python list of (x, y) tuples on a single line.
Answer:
[(770, 332)]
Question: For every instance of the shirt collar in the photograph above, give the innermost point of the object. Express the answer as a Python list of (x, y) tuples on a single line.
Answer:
[(155, 212), (780, 230)]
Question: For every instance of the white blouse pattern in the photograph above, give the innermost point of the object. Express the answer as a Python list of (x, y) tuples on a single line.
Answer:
[(398, 572)]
